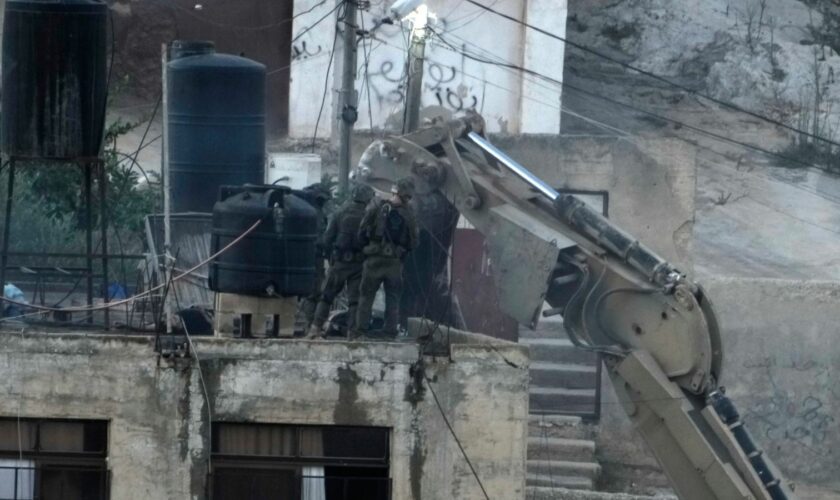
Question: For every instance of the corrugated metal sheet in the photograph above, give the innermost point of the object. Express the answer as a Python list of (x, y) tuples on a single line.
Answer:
[(190, 245)]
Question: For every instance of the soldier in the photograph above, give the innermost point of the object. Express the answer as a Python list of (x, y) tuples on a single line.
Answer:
[(389, 232), (346, 258), (316, 195)]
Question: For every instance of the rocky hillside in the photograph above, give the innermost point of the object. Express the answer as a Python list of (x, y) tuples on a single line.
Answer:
[(777, 57), (760, 211)]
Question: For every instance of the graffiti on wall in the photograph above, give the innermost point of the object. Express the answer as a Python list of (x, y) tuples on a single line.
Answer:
[(383, 67), (301, 51), (444, 84), (803, 418)]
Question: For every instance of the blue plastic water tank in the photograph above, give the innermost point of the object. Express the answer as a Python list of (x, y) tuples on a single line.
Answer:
[(216, 124)]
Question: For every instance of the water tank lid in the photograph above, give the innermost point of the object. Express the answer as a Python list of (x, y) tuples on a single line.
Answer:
[(186, 48), (215, 60), (71, 6)]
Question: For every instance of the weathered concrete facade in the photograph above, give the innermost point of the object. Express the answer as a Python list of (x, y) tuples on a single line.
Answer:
[(158, 435), (651, 182), (781, 365)]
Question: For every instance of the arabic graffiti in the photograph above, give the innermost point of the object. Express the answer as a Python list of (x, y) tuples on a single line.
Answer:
[(301, 51), (784, 415), (804, 420)]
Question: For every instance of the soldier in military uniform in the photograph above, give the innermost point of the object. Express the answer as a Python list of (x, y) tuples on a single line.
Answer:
[(389, 232), (346, 258), (316, 195)]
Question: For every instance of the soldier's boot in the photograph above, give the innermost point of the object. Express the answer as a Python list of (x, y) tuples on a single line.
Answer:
[(315, 332)]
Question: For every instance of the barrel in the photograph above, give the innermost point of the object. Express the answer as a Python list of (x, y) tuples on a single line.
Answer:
[(216, 124), (54, 78), (278, 257)]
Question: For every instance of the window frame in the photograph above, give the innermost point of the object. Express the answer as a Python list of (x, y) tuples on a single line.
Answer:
[(87, 461), (297, 458)]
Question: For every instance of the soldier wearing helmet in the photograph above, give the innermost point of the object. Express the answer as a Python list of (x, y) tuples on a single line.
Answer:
[(341, 240), (389, 232)]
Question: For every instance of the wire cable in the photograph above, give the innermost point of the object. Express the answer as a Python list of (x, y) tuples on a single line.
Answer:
[(659, 78), (367, 50), (194, 354), (319, 21), (229, 26), (138, 296), (326, 86), (561, 109), (455, 436), (632, 107)]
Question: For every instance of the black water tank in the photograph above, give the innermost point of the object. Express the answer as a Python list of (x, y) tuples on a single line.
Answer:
[(216, 124), (279, 254), (54, 78)]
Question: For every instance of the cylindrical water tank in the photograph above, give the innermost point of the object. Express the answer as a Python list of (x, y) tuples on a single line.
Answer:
[(216, 124), (279, 255), (54, 78)]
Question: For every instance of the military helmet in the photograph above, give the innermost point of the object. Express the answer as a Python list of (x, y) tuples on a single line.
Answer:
[(362, 193), (405, 187), (318, 193)]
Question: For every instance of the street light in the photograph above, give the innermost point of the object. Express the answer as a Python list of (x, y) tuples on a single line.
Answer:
[(416, 12), (403, 8)]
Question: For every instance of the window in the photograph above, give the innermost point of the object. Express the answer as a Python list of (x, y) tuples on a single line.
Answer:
[(53, 459), (598, 200), (288, 462)]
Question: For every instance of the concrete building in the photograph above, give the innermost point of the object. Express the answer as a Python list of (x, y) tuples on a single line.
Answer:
[(105, 413), (512, 102)]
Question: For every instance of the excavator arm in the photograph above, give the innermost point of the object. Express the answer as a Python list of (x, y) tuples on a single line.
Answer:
[(654, 326)]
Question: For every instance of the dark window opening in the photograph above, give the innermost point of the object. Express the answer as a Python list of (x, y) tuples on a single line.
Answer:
[(53, 459), (598, 200), (262, 461)]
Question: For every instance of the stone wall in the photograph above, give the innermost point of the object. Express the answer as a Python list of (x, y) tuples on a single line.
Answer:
[(158, 435)]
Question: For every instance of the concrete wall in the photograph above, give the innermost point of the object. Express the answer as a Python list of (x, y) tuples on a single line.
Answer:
[(651, 182), (781, 366), (158, 439), (511, 101)]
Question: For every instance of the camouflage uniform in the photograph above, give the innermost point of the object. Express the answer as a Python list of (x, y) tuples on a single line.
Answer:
[(390, 232), (317, 195), (346, 258)]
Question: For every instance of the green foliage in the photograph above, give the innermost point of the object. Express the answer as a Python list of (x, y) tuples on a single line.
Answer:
[(58, 190)]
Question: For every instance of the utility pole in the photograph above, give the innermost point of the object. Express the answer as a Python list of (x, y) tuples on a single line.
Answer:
[(348, 113), (416, 58)]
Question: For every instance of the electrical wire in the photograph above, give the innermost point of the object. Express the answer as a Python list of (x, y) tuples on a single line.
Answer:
[(138, 296), (367, 53), (625, 134), (326, 85), (677, 123), (20, 405), (229, 26), (194, 354), (455, 436), (561, 109), (659, 78), (319, 21)]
